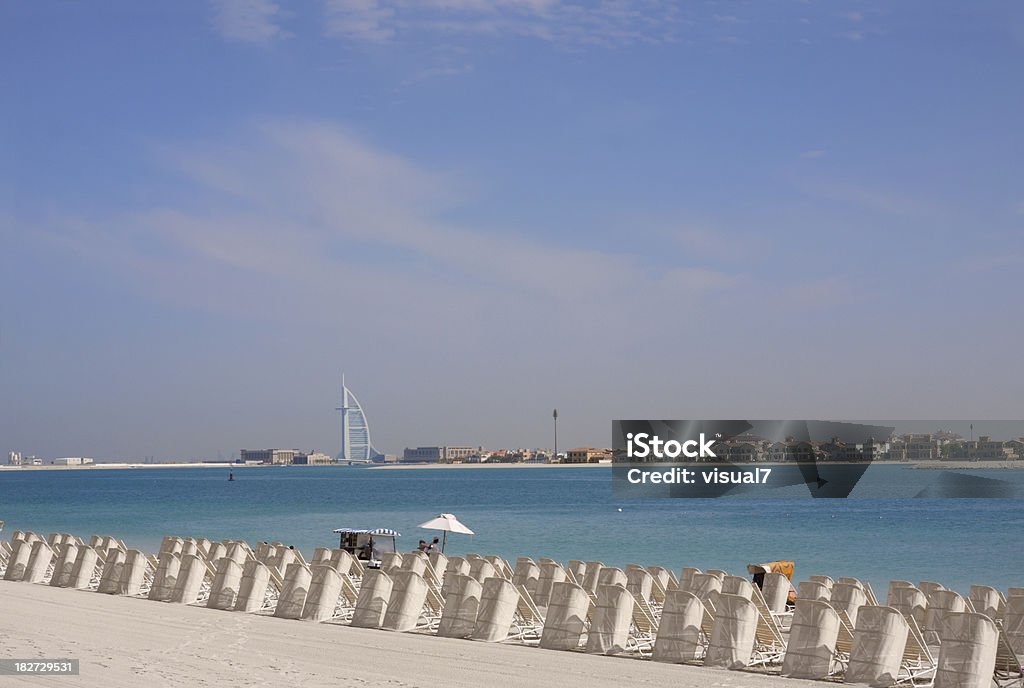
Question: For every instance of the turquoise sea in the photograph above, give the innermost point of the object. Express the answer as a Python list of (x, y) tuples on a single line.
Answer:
[(563, 513)]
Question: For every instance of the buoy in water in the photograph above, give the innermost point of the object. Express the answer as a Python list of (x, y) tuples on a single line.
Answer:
[(231, 477)]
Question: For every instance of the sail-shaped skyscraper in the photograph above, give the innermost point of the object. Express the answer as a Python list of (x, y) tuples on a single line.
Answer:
[(355, 430)]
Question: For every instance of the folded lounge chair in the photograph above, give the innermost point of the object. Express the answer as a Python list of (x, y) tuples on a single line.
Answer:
[(565, 621)]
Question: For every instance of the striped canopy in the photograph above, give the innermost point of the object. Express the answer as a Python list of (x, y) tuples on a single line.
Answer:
[(384, 532)]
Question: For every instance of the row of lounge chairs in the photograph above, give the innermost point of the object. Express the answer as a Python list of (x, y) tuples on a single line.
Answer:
[(838, 630)]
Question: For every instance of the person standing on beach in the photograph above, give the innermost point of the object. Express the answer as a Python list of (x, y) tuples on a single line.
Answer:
[(432, 546), (423, 546)]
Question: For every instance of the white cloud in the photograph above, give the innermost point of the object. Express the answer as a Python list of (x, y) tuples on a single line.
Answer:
[(611, 22), (250, 21), (362, 20)]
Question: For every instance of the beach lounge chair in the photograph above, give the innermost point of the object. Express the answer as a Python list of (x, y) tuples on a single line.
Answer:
[(893, 585), (320, 556), (461, 605), (811, 648), (590, 576), (775, 590), (877, 651), (644, 628), (252, 589), (565, 620), (416, 562), (528, 620), (918, 664), (576, 571), (64, 566), (225, 586), (609, 575), (433, 606), (707, 587), (967, 658), (664, 578), (457, 566), (679, 639), (297, 579), (612, 616), (1008, 671), (551, 572), (481, 569), (439, 561), (813, 590), (111, 574), (372, 603), (719, 573), (686, 577), (941, 603), (1013, 623), (83, 572), (21, 551), (988, 601), (501, 567), (322, 597), (189, 583), (910, 602), (733, 634), (769, 637), (737, 585), (390, 562), (824, 580), (38, 565), (404, 607), (869, 591), (639, 582), (166, 576), (928, 587), (133, 574), (497, 613), (848, 599), (844, 642)]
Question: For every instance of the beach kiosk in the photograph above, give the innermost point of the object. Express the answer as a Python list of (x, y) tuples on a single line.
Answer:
[(367, 544)]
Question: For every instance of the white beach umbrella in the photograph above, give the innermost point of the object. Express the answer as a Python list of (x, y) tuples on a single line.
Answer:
[(449, 524)]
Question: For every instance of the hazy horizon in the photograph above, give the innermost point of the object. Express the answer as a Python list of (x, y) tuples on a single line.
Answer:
[(480, 210)]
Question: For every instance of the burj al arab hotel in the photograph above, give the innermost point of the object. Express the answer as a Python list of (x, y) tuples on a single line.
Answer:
[(355, 431)]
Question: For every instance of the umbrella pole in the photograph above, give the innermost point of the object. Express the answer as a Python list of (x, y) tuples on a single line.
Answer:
[(444, 539)]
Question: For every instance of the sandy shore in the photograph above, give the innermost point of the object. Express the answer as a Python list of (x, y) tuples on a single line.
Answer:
[(133, 642)]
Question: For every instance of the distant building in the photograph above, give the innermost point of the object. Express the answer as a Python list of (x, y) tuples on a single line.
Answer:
[(14, 458), (448, 454), (587, 455), (313, 458), (355, 429), (268, 457), (73, 461)]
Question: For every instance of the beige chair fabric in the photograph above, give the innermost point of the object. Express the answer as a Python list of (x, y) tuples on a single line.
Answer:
[(612, 615), (679, 632), (498, 600), (224, 590), (732, 637), (252, 589), (372, 603), (812, 640), (879, 640), (461, 605), (324, 591), (293, 596), (967, 657), (566, 617)]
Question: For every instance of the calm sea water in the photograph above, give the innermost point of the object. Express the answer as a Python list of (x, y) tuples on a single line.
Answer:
[(563, 513)]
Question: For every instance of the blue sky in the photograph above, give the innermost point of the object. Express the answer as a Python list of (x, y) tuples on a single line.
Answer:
[(481, 209)]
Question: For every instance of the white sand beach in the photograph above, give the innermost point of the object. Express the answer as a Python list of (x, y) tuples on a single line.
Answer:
[(134, 642)]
